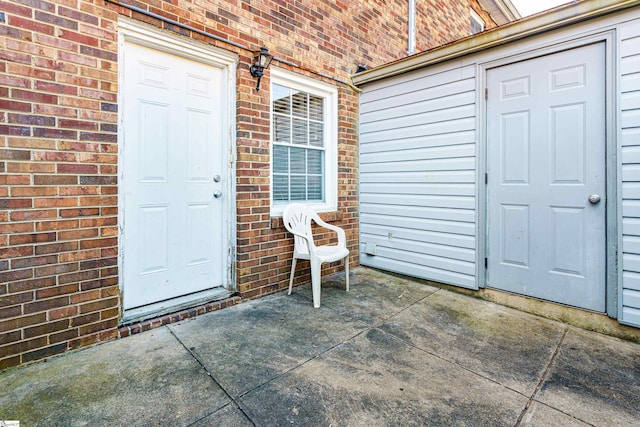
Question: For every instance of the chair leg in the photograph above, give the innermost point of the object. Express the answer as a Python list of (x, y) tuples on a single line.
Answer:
[(316, 272), (346, 271), (293, 270)]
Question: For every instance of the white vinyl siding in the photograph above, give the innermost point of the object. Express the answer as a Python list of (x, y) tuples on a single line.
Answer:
[(630, 157), (417, 175)]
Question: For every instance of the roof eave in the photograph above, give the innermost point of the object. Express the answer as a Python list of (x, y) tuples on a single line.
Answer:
[(501, 11), (536, 24)]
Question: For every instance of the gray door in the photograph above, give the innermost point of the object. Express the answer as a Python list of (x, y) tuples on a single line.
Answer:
[(545, 158)]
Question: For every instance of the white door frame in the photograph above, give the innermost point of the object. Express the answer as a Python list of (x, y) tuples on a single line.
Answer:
[(130, 30), (611, 149)]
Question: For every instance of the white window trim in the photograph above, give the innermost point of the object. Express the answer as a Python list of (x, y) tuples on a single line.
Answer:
[(478, 19), (330, 95)]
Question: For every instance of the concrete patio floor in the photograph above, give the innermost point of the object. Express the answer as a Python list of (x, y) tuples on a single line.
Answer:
[(389, 352)]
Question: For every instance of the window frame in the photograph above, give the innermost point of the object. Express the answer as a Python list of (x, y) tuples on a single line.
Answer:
[(330, 95)]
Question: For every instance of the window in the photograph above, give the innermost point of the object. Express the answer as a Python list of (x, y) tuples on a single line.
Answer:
[(303, 142), (477, 24)]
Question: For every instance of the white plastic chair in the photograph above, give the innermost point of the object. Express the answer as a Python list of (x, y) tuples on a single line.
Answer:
[(297, 219)]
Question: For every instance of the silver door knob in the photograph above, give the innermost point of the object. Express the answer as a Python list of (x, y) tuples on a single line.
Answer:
[(594, 199), (216, 178), (217, 194)]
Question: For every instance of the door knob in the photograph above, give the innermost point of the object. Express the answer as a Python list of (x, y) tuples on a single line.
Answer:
[(217, 194), (594, 199)]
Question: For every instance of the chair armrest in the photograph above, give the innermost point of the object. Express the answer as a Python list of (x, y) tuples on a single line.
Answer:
[(342, 238)]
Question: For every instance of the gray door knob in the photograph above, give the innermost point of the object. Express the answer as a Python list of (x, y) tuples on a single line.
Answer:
[(217, 194), (594, 199)]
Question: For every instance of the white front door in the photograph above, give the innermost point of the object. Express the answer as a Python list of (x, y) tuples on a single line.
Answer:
[(174, 141), (545, 157)]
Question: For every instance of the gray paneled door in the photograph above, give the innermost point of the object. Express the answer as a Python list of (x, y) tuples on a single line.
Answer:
[(545, 158)]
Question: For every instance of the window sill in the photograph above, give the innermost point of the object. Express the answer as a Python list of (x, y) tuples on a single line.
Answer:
[(277, 222)]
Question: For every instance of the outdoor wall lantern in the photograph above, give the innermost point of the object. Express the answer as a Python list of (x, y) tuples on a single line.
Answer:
[(262, 61)]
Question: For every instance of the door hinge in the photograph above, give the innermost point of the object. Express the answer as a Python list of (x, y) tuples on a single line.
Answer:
[(486, 93), (486, 263), (486, 178)]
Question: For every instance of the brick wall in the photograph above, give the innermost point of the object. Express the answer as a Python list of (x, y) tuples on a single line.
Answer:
[(58, 145)]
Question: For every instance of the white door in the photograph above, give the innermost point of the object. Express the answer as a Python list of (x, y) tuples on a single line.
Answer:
[(173, 165), (546, 156)]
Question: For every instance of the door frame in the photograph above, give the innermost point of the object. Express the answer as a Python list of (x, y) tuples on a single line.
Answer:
[(132, 31), (612, 168)]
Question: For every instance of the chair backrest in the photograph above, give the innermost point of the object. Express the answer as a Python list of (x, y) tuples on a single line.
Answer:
[(297, 219)]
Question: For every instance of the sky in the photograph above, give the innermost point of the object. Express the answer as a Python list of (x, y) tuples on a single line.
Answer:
[(529, 7)]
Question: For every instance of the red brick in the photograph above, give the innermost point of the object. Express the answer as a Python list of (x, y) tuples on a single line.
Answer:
[(31, 167), (47, 304), (14, 154), (14, 180), (55, 202), (20, 227), (12, 105), (33, 191), (15, 9), (85, 296), (56, 291), (73, 213), (55, 179), (56, 88), (54, 133), (85, 319), (79, 255), (21, 322), (100, 326), (46, 328), (56, 20), (34, 96), (14, 275), (75, 167), (31, 119), (22, 346), (98, 243), (79, 276), (15, 56), (99, 305), (16, 251), (78, 124), (31, 262), (63, 312), (13, 299), (56, 248), (9, 337), (44, 352), (63, 336), (55, 269), (21, 239), (15, 81), (15, 203), (31, 284), (10, 361), (66, 224)]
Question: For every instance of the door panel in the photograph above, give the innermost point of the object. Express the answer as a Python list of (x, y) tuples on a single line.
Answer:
[(545, 156), (173, 149)]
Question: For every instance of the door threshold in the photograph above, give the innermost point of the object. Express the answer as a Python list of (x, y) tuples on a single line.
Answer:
[(139, 314)]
